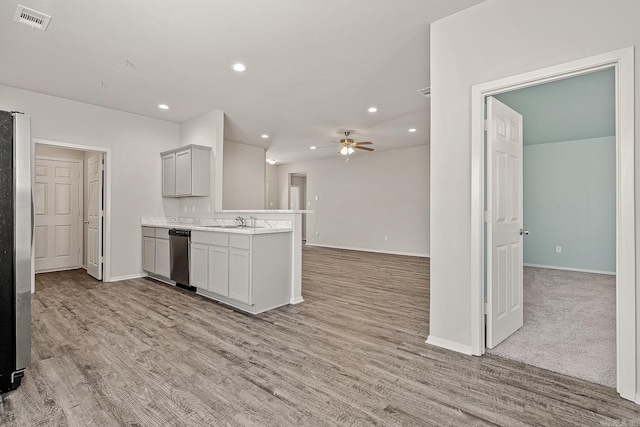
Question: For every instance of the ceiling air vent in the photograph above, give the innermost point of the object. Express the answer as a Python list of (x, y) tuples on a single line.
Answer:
[(426, 92), (32, 18)]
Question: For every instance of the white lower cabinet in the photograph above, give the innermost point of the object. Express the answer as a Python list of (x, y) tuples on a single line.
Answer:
[(218, 270), (163, 259), (249, 272), (155, 252), (199, 274), (149, 254), (239, 275)]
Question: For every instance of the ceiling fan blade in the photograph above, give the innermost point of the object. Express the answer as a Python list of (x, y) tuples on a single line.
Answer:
[(364, 148), (364, 143)]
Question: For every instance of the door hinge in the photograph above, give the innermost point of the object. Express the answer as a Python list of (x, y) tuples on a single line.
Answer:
[(487, 216), (486, 124), (486, 308)]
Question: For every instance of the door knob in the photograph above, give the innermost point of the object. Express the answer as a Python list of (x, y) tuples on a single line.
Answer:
[(524, 232)]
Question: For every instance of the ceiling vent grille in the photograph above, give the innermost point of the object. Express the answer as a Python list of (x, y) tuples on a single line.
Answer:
[(426, 92), (32, 18)]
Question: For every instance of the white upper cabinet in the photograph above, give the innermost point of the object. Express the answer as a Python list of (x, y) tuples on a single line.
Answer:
[(169, 175), (186, 171)]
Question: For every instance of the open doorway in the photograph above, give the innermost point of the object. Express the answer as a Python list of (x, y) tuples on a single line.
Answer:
[(623, 63), (69, 209), (298, 197), (569, 210)]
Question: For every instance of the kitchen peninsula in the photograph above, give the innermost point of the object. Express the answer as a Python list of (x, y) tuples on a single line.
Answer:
[(249, 259)]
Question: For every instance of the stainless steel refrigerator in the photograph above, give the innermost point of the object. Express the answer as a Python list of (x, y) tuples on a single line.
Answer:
[(16, 242)]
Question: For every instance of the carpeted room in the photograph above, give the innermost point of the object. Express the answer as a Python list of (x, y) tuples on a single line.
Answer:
[(569, 208)]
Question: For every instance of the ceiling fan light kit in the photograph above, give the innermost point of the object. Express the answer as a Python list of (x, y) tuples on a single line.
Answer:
[(349, 145)]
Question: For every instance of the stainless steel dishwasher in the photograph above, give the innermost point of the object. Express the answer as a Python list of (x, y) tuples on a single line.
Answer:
[(179, 251)]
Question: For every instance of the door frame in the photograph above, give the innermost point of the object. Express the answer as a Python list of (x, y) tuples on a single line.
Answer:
[(80, 199), (106, 263), (622, 61)]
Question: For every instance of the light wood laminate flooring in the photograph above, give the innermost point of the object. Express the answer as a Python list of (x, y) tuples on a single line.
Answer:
[(141, 353)]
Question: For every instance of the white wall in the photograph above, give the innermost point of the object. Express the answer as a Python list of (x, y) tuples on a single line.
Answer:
[(271, 187), (361, 201), (207, 130), (496, 39), (243, 176), (135, 143)]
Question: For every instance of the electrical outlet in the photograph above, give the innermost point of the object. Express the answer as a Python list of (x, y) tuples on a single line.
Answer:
[(386, 237), (208, 208), (317, 233), (193, 208), (185, 208), (558, 249)]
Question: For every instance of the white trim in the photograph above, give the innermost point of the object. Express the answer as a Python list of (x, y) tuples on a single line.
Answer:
[(580, 270), (378, 251), (129, 277), (52, 270), (623, 62), (449, 345), (106, 276), (638, 398), (296, 300)]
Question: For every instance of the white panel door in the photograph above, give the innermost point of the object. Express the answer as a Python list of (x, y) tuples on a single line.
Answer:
[(239, 275), (163, 260), (504, 229), (95, 215), (57, 215)]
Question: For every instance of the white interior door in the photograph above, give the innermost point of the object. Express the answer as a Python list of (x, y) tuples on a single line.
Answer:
[(57, 215), (504, 222), (94, 215)]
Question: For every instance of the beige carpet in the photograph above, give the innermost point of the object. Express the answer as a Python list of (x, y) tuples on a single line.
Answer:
[(569, 325)]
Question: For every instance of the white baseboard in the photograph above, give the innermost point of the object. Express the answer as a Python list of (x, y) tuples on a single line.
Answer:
[(52, 270), (128, 277), (296, 300), (580, 270), (349, 248), (449, 345)]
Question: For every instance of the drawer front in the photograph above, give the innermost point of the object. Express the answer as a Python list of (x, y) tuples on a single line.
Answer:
[(210, 238), (162, 233), (148, 232), (239, 241)]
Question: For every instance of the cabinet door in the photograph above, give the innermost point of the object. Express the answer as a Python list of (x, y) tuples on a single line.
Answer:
[(198, 275), (162, 258), (169, 175), (149, 254), (219, 270), (183, 172), (239, 275)]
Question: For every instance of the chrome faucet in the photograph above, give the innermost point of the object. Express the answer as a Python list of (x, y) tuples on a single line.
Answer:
[(252, 221), (240, 220)]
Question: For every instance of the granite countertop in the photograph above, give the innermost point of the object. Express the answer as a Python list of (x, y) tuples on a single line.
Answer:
[(218, 225), (219, 229)]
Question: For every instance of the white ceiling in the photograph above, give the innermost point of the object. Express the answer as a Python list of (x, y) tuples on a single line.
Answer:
[(313, 66)]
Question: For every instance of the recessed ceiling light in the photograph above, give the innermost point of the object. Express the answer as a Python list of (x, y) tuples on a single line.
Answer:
[(412, 130), (313, 147), (265, 136), (271, 161), (163, 106), (239, 67), (372, 109)]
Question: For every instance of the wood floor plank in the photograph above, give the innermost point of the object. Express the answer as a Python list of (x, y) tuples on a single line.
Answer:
[(139, 352)]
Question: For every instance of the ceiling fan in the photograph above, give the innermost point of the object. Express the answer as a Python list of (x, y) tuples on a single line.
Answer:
[(349, 145)]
